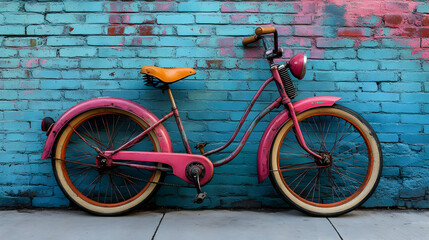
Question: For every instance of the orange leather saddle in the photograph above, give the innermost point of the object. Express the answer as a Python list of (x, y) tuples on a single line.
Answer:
[(168, 75)]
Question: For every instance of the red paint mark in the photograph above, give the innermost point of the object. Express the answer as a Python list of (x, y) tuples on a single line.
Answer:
[(228, 7), (393, 20), (214, 63), (351, 32), (145, 30), (425, 21), (116, 30), (71, 29)]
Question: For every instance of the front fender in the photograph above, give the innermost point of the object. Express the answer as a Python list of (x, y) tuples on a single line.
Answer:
[(107, 102), (277, 123)]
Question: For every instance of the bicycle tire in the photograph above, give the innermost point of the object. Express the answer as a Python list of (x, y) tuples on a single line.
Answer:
[(348, 175), (87, 186)]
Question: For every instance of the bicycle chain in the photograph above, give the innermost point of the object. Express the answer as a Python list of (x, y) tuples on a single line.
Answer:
[(135, 178)]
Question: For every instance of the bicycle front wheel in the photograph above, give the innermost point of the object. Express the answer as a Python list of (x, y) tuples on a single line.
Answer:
[(97, 188), (346, 176)]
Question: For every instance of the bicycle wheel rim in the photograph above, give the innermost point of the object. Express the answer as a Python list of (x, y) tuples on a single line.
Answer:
[(299, 196), (75, 193)]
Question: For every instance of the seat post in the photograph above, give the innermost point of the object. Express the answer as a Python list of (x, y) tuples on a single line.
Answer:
[(170, 95), (179, 121)]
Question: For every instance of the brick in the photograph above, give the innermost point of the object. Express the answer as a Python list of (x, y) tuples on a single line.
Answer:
[(373, 54), (40, 94), (45, 30), (401, 87), (278, 7), (44, 7), (399, 65), (355, 86), (423, 8), (340, 54), (211, 19), (99, 63), (59, 84), (12, 30), (283, 19), (14, 73), (9, 6), (376, 97), (199, 6), (400, 108), (8, 52), (415, 138), (65, 41), (137, 62), (9, 63), (78, 52), (234, 31), (357, 65), (369, 43), (194, 52), (156, 52), (336, 76), (83, 7), (194, 31), (28, 18), (22, 42), (65, 17), (250, 19), (116, 52), (175, 19), (86, 29), (377, 76), (122, 7), (353, 32), (38, 52), (334, 43), (42, 73), (177, 41), (158, 6), (61, 63), (415, 97), (401, 42), (240, 7)]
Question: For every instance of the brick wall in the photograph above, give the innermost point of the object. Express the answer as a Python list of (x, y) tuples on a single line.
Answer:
[(374, 54)]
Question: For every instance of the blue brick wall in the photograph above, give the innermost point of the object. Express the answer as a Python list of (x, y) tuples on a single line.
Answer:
[(54, 55)]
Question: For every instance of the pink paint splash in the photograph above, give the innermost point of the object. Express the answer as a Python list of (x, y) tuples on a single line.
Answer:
[(32, 62)]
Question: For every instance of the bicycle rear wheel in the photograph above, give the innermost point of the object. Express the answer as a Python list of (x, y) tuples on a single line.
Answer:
[(104, 190), (344, 179)]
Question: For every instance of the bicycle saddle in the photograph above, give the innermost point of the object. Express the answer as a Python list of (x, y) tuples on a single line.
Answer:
[(168, 75)]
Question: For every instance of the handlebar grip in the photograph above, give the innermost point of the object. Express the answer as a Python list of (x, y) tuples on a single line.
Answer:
[(264, 30), (249, 40)]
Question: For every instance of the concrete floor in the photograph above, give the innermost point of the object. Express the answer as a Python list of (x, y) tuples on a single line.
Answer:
[(213, 224)]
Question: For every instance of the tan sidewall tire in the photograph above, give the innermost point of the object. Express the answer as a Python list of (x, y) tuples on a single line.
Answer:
[(348, 206), (69, 191)]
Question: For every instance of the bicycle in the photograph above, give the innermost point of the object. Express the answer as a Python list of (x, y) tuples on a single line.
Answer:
[(110, 155)]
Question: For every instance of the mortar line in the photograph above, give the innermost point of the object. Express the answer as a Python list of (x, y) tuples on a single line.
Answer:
[(159, 224), (339, 235)]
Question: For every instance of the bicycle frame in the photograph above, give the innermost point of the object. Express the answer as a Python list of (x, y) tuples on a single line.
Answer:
[(283, 99)]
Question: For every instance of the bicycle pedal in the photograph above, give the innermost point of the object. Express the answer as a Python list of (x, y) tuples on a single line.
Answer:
[(201, 146), (199, 198)]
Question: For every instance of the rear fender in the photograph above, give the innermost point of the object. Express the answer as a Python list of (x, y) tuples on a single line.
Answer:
[(107, 102), (277, 123)]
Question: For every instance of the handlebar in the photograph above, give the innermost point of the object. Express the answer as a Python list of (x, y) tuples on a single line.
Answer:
[(261, 31)]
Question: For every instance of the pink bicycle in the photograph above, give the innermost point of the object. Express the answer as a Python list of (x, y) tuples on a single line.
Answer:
[(110, 155)]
